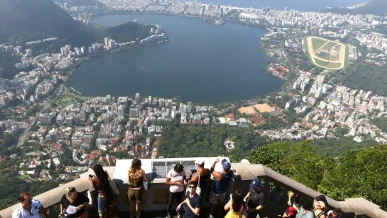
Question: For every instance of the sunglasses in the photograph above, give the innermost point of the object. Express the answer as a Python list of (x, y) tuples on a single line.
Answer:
[(191, 186), (28, 201)]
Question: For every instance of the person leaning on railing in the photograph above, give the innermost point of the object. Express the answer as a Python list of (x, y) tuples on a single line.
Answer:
[(201, 175), (221, 183), (136, 178), (76, 200), (176, 180), (107, 206), (29, 207)]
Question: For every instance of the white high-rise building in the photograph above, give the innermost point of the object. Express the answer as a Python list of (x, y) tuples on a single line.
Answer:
[(112, 44), (106, 41), (83, 50), (68, 48)]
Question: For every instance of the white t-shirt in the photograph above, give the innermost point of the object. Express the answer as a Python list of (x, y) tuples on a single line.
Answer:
[(21, 213), (176, 177)]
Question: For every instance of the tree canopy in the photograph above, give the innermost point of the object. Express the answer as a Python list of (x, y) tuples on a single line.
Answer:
[(295, 160), (368, 77), (207, 140), (11, 186), (359, 173), (381, 123)]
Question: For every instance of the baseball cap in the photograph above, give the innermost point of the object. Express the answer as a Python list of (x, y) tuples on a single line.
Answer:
[(199, 162), (226, 165), (255, 183)]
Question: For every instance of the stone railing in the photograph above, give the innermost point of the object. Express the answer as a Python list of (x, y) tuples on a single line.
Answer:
[(156, 195), (358, 206), (50, 199)]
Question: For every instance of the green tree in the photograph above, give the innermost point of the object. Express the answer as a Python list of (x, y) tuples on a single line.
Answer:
[(361, 173), (207, 140), (381, 123), (35, 128), (295, 160), (341, 131), (8, 139), (273, 158)]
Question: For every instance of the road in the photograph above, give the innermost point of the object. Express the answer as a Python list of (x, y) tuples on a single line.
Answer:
[(42, 107)]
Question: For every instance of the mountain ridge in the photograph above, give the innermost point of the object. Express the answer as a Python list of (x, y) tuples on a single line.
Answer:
[(377, 3), (23, 21), (40, 18)]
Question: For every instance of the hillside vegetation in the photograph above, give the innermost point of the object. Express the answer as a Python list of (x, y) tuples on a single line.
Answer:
[(35, 19), (359, 173), (328, 166), (23, 21)]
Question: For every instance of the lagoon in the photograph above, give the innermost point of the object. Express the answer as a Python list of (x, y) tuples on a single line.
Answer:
[(202, 62)]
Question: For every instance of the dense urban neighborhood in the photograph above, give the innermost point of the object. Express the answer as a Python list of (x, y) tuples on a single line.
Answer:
[(51, 132)]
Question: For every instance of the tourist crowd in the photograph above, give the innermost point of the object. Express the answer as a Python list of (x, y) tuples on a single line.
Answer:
[(189, 195)]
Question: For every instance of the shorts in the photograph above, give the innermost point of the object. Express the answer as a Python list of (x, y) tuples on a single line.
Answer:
[(135, 195), (217, 198)]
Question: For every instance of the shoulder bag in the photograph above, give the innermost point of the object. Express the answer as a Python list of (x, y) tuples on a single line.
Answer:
[(144, 183)]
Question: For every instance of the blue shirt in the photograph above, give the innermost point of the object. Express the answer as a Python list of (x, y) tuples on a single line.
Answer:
[(308, 214), (221, 186), (195, 203)]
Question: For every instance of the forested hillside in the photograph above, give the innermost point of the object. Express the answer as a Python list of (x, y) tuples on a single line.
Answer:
[(359, 173), (23, 21), (35, 19)]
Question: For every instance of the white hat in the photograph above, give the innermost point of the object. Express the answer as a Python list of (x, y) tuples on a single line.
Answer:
[(200, 162)]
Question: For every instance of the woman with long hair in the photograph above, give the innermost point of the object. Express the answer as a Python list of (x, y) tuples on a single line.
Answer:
[(136, 177), (293, 205), (235, 205), (320, 207), (106, 202), (75, 199)]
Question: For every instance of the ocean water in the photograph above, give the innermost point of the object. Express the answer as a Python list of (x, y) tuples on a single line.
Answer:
[(301, 5)]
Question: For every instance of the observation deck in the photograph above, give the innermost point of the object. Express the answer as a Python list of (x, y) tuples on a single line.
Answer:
[(155, 199)]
